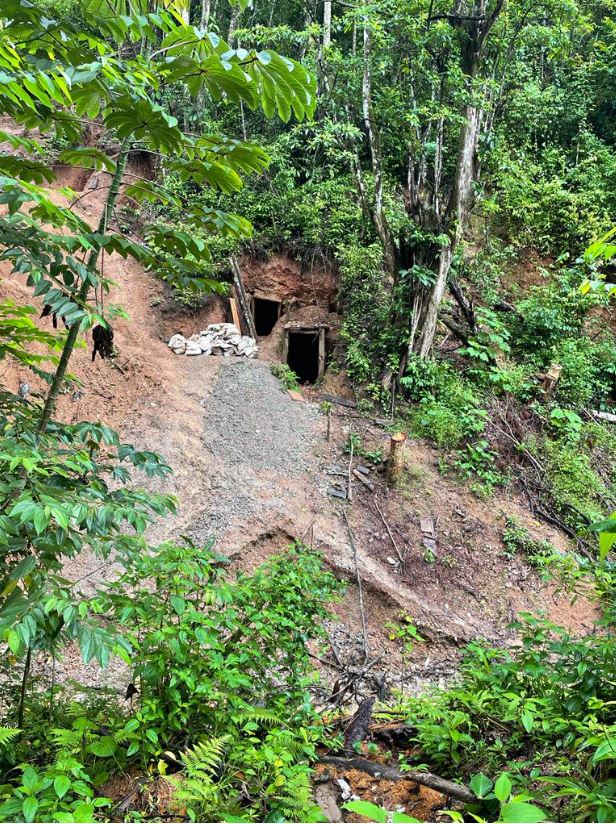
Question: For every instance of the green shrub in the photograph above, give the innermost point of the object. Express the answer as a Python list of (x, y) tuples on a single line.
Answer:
[(449, 411), (215, 657), (285, 375), (549, 314), (577, 489)]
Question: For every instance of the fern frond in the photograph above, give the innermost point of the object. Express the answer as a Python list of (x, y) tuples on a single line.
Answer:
[(197, 788), (260, 714), (205, 757), (7, 734)]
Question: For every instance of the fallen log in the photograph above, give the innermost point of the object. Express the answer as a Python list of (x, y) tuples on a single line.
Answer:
[(603, 416), (426, 779), (357, 729)]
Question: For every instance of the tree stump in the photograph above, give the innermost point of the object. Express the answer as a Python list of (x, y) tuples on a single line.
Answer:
[(394, 469)]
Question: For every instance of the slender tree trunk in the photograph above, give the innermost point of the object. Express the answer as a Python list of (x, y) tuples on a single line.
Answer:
[(379, 217), (235, 16), (71, 339), (205, 13), (327, 23), (428, 301), (24, 687)]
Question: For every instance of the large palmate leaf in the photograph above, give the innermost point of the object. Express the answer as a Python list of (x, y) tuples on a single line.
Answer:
[(203, 61), (25, 169), (144, 121)]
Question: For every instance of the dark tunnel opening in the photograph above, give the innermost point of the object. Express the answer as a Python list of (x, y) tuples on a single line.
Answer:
[(303, 355), (266, 314)]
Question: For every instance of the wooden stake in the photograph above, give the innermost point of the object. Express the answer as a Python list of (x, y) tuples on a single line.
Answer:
[(350, 482), (395, 460)]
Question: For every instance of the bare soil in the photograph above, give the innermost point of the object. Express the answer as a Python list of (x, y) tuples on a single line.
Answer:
[(250, 470)]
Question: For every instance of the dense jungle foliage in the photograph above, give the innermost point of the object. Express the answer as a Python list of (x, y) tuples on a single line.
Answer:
[(454, 162)]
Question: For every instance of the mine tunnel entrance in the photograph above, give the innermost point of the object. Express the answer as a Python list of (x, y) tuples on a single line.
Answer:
[(266, 314), (305, 353)]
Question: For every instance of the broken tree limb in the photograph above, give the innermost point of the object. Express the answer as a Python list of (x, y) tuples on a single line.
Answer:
[(426, 779), (339, 401), (350, 481), (362, 478), (242, 297), (395, 461), (603, 416), (357, 729)]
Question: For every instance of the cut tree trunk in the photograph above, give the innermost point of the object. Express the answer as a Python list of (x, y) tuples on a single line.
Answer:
[(395, 461)]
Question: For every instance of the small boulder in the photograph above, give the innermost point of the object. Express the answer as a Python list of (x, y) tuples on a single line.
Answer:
[(192, 348), (178, 344)]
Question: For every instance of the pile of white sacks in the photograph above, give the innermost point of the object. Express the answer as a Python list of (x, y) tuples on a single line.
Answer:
[(218, 339)]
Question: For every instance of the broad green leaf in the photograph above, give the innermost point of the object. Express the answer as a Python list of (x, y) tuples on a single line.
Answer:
[(61, 785), (104, 747), (521, 811), (502, 787), (29, 808), (367, 809), (481, 785)]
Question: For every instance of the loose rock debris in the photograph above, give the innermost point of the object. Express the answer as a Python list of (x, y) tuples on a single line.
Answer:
[(218, 339)]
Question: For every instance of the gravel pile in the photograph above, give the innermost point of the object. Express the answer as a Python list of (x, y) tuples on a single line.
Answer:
[(256, 425)]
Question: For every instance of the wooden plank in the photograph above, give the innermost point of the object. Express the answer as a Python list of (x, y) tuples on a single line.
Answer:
[(235, 313), (337, 400)]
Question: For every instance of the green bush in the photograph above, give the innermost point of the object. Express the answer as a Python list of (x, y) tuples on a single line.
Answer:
[(577, 489), (449, 411), (542, 706)]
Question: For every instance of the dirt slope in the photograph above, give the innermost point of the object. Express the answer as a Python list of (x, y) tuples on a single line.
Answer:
[(250, 470)]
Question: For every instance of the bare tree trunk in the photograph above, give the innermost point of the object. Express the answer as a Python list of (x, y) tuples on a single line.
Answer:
[(427, 302), (235, 15), (82, 295), (379, 218), (205, 13), (425, 312), (327, 23)]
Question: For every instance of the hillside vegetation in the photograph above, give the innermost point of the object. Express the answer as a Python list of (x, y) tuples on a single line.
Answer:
[(451, 166)]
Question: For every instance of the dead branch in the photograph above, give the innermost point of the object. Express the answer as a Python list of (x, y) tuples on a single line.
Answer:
[(350, 481), (354, 676), (359, 584), (362, 478), (391, 537), (426, 779)]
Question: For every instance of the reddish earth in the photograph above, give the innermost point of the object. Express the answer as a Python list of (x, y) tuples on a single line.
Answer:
[(171, 404)]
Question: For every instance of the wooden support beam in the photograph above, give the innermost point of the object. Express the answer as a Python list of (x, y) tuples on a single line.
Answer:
[(243, 297)]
